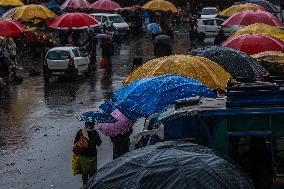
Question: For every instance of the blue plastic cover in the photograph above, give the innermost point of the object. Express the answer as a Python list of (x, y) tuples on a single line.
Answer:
[(147, 96), (98, 117)]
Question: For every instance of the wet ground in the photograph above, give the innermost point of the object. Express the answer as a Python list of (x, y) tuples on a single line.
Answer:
[(39, 121)]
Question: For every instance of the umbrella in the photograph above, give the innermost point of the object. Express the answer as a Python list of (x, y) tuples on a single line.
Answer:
[(74, 21), (199, 68), (259, 7), (103, 35), (97, 117), (170, 164), (53, 6), (121, 126), (246, 18), (254, 43), (147, 96), (13, 3), (154, 28), (238, 8), (261, 29), (105, 5), (11, 28), (75, 4), (162, 40), (235, 62), (8, 13), (266, 4), (32, 12), (160, 5)]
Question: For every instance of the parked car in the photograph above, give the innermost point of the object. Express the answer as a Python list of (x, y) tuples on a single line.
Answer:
[(209, 12), (115, 19), (65, 61), (211, 26)]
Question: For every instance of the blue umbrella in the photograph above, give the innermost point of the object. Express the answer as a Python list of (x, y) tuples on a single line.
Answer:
[(53, 6), (154, 28), (98, 117), (145, 97)]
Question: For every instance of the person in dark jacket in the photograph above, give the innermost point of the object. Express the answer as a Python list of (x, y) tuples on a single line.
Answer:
[(88, 156), (121, 143), (107, 52), (220, 37)]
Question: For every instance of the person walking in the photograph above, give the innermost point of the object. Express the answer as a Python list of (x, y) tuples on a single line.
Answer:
[(84, 147), (107, 52), (220, 37), (121, 143)]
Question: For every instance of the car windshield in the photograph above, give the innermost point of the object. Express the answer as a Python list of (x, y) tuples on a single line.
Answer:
[(58, 55), (209, 11), (116, 19)]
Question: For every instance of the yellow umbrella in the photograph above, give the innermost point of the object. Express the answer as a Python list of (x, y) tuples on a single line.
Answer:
[(195, 67), (260, 28), (11, 3), (33, 12), (160, 5), (237, 8)]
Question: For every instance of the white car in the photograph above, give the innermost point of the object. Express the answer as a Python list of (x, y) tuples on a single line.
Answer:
[(115, 19), (210, 27), (65, 61), (209, 12)]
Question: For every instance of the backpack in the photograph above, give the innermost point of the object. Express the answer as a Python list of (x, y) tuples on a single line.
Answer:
[(81, 146)]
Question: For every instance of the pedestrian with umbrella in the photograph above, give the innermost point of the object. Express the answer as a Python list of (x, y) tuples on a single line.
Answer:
[(162, 46), (107, 52)]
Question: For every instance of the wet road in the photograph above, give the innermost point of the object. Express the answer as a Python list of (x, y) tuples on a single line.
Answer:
[(39, 121)]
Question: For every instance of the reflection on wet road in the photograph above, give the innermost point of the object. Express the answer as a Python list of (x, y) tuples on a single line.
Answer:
[(38, 121)]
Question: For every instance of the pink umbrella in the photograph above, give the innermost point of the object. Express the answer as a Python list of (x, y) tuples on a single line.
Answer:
[(11, 28), (121, 126), (246, 18), (254, 43), (105, 5), (74, 21), (75, 4)]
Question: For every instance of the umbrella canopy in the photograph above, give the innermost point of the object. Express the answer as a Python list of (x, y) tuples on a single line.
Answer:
[(105, 5), (153, 28), (8, 13), (13, 3), (52, 6), (74, 21), (238, 8), (259, 7), (121, 126), (254, 43), (160, 5), (246, 18), (32, 12), (75, 4), (162, 40), (266, 4), (11, 28), (97, 117), (261, 29), (147, 96), (235, 62), (168, 165), (199, 68)]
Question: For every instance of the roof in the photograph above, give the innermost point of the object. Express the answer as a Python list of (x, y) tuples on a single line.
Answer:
[(62, 48), (104, 14)]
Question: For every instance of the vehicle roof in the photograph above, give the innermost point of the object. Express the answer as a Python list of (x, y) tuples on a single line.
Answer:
[(62, 48), (104, 14), (210, 8)]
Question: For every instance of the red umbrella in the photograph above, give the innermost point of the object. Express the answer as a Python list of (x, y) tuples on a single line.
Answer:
[(74, 21), (105, 5), (75, 4), (246, 18), (254, 43), (11, 28)]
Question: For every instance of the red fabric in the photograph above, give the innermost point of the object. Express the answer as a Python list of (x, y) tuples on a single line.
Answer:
[(105, 5), (11, 28), (254, 43), (75, 4), (74, 21), (246, 18)]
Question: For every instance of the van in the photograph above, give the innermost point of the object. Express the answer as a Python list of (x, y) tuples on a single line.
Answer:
[(117, 21)]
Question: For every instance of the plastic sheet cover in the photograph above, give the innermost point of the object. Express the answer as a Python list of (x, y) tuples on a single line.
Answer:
[(152, 95), (170, 165)]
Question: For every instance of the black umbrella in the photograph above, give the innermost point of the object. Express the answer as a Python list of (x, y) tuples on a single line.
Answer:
[(170, 165), (162, 40), (237, 63), (266, 4)]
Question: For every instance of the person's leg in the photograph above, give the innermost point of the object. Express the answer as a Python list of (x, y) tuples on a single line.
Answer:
[(85, 178)]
